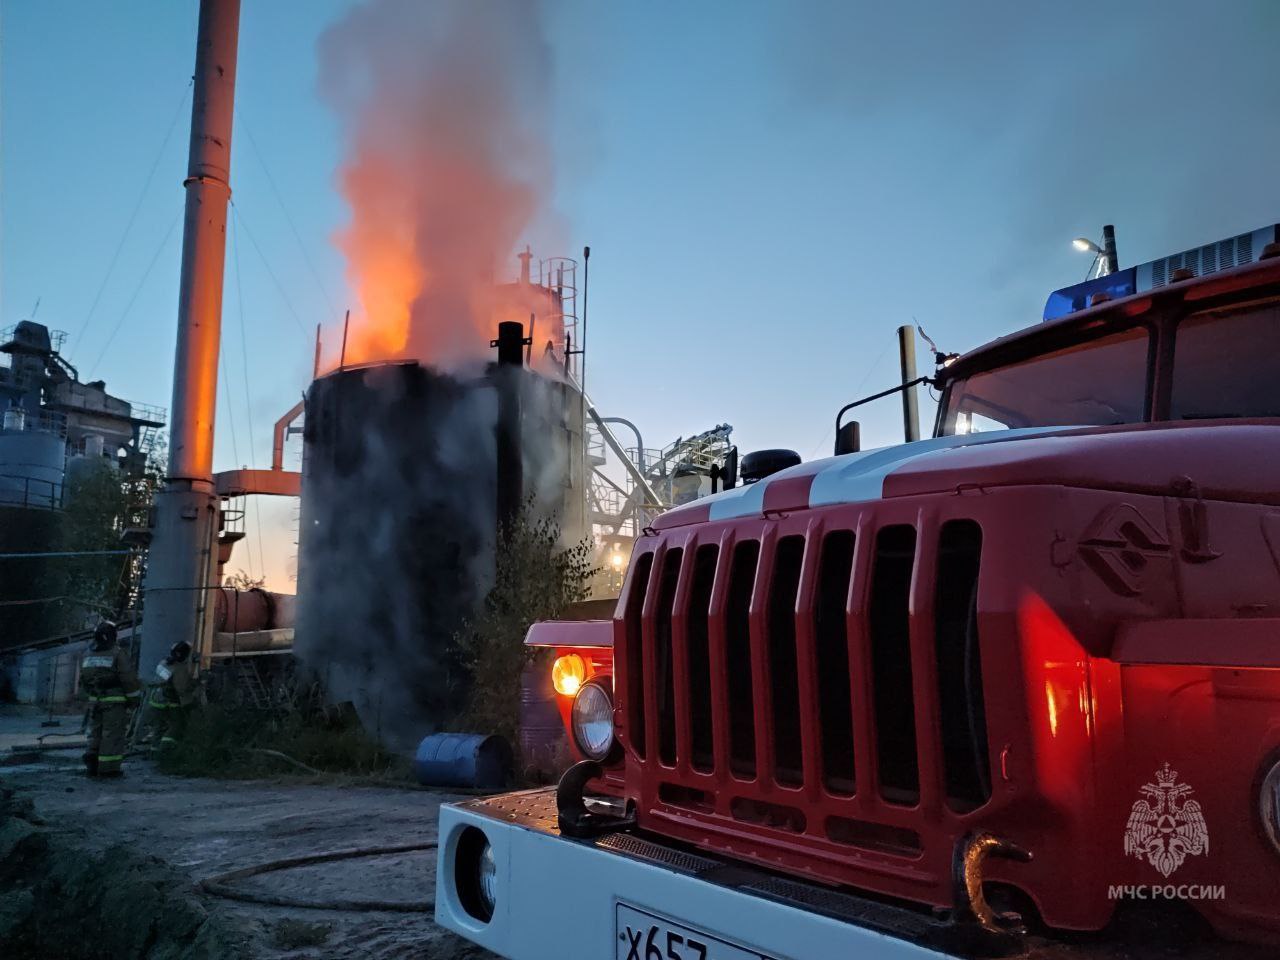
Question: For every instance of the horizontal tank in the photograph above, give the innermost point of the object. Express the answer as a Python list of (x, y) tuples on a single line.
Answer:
[(242, 611)]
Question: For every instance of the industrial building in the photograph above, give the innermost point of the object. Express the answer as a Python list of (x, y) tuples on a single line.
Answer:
[(53, 422), (54, 428)]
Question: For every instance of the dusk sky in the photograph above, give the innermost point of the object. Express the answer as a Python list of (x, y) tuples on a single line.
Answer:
[(768, 189)]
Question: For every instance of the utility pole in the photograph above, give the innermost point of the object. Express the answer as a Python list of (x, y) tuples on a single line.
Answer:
[(910, 403), (182, 558)]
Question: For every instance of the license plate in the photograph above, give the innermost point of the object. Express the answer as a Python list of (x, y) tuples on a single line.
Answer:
[(645, 936)]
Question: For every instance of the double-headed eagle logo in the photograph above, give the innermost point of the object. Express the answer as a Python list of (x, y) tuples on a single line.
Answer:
[(1165, 828)]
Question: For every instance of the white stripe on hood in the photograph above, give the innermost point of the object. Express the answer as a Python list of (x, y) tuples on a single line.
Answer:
[(855, 477)]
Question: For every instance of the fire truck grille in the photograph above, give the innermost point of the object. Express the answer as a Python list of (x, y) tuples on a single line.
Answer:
[(765, 672), (966, 764), (742, 734), (892, 696)]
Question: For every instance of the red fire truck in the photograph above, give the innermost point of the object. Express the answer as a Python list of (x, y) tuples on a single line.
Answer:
[(1006, 688)]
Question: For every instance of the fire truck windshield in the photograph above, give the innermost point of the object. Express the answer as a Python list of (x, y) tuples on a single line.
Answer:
[(1098, 382), (1224, 364)]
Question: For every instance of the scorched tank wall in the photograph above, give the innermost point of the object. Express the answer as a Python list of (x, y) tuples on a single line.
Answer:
[(395, 537), (398, 527)]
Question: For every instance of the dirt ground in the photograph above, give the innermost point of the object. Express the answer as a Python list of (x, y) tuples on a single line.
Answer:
[(202, 828), (184, 830)]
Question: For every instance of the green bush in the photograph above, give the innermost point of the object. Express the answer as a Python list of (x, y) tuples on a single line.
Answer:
[(535, 579), (226, 740)]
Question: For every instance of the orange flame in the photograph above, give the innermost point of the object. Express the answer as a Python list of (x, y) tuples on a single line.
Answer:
[(446, 168)]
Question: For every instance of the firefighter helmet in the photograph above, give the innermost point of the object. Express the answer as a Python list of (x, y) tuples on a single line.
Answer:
[(104, 635)]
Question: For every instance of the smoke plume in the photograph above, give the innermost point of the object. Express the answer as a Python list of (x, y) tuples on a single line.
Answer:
[(447, 168), (443, 109)]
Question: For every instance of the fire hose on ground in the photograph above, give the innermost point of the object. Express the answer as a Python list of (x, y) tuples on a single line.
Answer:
[(219, 886)]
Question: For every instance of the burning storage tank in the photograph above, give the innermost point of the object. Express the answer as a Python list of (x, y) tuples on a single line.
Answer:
[(405, 472)]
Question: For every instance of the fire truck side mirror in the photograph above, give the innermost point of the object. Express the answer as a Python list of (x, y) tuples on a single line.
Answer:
[(849, 438), (729, 475)]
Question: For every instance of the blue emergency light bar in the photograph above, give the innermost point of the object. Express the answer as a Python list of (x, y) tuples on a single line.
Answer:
[(1223, 255)]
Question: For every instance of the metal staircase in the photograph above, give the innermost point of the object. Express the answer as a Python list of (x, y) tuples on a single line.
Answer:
[(249, 680), (620, 508)]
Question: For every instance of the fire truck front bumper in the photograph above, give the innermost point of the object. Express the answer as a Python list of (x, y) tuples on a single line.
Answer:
[(507, 880)]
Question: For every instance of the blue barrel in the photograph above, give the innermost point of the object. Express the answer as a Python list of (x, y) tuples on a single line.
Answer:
[(463, 760)]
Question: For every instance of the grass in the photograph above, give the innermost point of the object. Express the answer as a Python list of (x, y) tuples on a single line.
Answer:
[(222, 741)]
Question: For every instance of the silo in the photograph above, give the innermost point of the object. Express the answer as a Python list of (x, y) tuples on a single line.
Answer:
[(31, 475), (398, 526), (32, 464)]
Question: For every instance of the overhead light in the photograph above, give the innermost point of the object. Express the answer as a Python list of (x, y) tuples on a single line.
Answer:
[(1086, 246)]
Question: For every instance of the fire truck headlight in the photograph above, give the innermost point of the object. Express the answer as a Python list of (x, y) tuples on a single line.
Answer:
[(568, 674), (593, 720), (1269, 805)]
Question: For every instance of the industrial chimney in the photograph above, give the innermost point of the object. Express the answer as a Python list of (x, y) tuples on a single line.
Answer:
[(178, 595)]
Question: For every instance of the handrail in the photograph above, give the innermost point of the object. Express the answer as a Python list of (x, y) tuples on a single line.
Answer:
[(51, 501), (278, 435)]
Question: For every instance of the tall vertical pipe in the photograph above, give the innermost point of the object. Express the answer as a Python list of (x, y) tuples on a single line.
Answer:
[(510, 464), (182, 559), (584, 465), (195, 369), (342, 356), (910, 402), (1109, 255)]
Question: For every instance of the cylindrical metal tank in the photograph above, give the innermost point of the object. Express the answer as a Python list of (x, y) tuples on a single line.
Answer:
[(32, 465), (24, 530), (395, 533), (398, 526), (243, 611)]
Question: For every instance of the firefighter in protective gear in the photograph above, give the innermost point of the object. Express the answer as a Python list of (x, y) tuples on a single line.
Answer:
[(172, 695), (108, 679)]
